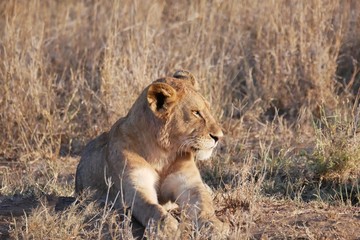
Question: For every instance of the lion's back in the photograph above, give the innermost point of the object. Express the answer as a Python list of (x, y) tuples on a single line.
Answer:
[(90, 171)]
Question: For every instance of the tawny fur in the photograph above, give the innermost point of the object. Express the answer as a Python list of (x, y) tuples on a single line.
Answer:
[(150, 154)]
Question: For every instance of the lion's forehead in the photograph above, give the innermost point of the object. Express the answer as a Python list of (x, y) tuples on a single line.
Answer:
[(195, 100), (190, 99)]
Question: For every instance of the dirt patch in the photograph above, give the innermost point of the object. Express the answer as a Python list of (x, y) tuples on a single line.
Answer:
[(281, 219)]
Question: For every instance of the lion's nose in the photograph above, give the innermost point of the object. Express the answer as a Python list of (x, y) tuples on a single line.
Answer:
[(217, 136)]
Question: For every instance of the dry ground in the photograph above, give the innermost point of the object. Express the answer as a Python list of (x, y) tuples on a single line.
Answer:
[(282, 77)]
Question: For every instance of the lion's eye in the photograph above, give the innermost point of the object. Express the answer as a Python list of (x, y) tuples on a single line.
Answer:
[(197, 114)]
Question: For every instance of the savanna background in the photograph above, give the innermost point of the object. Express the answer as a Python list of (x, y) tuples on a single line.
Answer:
[(282, 76)]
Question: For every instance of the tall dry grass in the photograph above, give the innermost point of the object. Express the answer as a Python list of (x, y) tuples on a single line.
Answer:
[(272, 70), (70, 68)]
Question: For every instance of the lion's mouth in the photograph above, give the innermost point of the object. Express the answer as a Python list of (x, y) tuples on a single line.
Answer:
[(195, 149), (201, 149), (202, 146)]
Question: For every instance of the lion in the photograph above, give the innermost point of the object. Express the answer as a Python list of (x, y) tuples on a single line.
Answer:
[(150, 154)]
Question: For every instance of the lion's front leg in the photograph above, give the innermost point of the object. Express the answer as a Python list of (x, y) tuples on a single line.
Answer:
[(185, 187), (136, 188)]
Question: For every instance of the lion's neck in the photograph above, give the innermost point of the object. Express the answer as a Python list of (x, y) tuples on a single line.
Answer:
[(145, 138)]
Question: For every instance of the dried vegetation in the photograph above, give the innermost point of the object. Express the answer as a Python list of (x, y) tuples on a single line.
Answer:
[(283, 77)]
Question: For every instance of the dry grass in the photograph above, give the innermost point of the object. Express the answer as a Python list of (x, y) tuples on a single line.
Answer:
[(283, 77)]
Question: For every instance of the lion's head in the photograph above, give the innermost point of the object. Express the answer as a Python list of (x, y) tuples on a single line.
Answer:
[(184, 116)]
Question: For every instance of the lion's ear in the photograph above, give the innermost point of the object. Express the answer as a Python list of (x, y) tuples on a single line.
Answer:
[(161, 97), (183, 74)]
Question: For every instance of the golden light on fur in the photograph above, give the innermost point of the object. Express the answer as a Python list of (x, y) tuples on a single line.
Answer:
[(150, 154)]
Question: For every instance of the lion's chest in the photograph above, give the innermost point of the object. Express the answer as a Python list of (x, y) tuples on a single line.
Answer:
[(161, 166), (160, 162)]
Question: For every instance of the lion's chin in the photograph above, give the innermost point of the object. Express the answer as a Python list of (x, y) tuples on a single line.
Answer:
[(203, 154)]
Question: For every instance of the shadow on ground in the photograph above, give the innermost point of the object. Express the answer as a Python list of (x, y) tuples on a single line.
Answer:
[(18, 205)]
